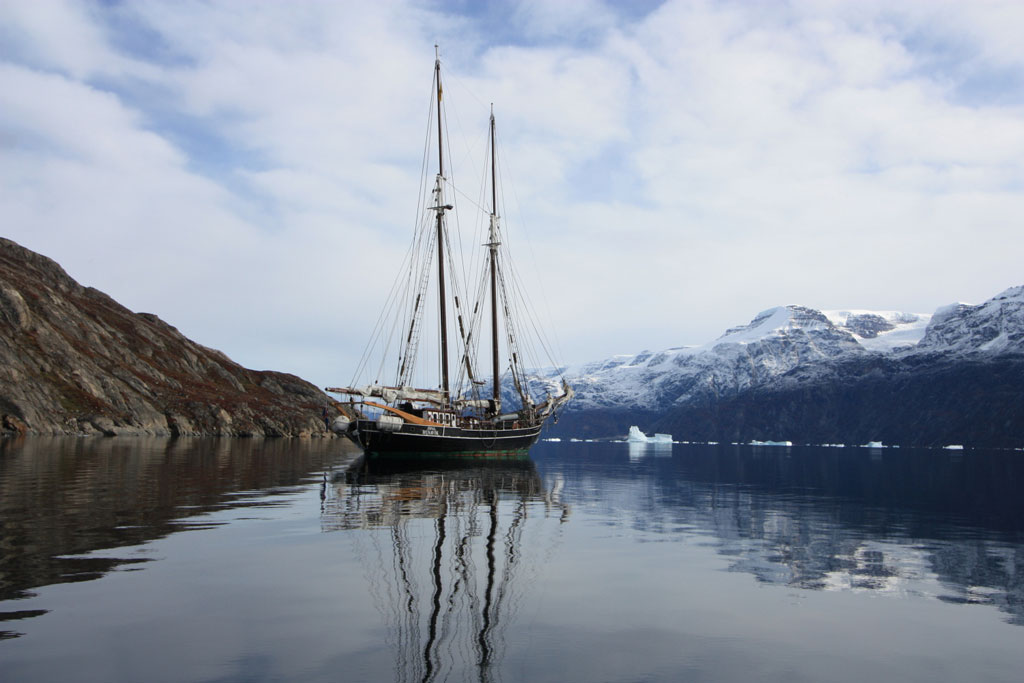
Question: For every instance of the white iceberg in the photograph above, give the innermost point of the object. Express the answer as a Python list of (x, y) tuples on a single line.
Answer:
[(771, 443), (636, 436)]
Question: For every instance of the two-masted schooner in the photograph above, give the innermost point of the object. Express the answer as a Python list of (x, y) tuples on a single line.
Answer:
[(464, 413)]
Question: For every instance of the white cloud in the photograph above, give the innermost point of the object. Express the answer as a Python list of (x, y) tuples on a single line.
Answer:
[(248, 170), (60, 35)]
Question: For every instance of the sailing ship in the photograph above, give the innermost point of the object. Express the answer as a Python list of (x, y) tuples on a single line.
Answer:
[(463, 413)]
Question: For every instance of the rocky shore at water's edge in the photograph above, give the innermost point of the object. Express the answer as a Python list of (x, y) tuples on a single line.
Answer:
[(74, 361)]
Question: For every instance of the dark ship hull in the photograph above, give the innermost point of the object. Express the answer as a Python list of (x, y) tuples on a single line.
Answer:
[(414, 439)]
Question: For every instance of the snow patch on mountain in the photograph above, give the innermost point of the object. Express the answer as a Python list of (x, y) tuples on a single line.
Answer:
[(882, 331)]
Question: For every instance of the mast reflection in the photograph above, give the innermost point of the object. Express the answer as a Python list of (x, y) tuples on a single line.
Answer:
[(457, 566)]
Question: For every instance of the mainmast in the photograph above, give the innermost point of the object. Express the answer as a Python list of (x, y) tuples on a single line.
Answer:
[(440, 207), (492, 244)]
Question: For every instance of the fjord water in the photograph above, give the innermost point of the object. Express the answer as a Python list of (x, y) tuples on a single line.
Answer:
[(253, 560)]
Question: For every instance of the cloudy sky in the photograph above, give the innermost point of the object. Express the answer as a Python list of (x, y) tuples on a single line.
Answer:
[(248, 171)]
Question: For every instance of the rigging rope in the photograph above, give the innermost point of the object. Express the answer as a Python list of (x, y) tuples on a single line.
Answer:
[(401, 321)]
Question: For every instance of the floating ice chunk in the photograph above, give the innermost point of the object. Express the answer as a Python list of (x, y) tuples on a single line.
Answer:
[(553, 439), (771, 443), (636, 436), (954, 447), (873, 444)]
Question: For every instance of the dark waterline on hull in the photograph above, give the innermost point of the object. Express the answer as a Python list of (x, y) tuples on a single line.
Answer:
[(443, 440)]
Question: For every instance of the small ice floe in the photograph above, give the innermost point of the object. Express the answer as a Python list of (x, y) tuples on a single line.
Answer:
[(771, 443), (954, 447), (553, 439), (873, 444), (575, 440)]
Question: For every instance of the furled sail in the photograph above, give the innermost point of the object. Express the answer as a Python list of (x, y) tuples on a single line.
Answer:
[(391, 394)]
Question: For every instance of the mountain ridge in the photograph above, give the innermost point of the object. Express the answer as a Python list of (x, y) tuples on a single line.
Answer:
[(787, 357)]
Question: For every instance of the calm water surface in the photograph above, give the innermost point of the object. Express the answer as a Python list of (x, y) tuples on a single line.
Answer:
[(253, 560)]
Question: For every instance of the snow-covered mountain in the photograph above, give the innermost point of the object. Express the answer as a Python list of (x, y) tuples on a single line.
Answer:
[(791, 345), (994, 327)]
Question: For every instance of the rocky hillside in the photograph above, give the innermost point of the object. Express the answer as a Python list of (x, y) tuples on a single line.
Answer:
[(74, 361)]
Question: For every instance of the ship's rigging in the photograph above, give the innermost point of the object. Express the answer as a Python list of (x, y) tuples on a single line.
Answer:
[(460, 397)]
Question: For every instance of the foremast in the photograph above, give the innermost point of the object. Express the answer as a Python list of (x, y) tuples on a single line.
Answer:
[(492, 245)]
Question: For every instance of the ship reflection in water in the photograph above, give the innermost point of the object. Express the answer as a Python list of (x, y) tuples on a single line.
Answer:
[(453, 545)]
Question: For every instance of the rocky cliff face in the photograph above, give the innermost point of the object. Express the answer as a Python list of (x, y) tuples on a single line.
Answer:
[(73, 361)]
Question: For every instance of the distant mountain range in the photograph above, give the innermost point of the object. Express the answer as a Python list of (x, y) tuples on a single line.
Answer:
[(808, 376), (73, 361)]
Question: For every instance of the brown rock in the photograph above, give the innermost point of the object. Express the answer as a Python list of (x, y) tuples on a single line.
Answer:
[(13, 424), (73, 360)]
